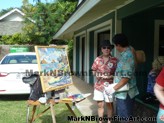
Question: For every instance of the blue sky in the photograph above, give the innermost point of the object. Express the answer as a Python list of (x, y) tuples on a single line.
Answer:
[(5, 4)]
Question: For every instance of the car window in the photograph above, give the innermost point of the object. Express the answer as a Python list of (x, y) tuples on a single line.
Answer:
[(20, 59)]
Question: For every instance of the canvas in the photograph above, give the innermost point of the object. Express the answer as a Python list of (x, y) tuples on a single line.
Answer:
[(54, 69)]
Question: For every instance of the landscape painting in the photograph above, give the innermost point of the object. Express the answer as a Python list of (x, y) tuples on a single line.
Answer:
[(54, 69)]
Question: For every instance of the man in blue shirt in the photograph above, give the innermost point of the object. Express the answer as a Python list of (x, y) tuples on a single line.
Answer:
[(125, 73)]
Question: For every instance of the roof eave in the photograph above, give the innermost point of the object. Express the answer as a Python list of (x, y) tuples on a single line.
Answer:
[(88, 12)]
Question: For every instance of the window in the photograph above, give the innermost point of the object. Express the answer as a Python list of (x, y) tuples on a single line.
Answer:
[(159, 38), (19, 59)]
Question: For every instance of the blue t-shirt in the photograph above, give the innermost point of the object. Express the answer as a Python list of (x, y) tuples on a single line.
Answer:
[(151, 81)]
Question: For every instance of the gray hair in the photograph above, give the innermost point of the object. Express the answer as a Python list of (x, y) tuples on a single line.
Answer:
[(158, 63)]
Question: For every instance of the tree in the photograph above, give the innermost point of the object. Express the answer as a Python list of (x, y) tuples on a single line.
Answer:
[(17, 38), (44, 19)]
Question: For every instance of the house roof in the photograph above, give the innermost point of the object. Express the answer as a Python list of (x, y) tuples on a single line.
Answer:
[(89, 11), (11, 12)]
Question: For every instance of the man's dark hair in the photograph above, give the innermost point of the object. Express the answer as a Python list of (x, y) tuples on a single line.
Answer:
[(120, 39)]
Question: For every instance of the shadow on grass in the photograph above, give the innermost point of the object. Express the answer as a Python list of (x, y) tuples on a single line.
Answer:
[(60, 118), (46, 119), (60, 110), (13, 97)]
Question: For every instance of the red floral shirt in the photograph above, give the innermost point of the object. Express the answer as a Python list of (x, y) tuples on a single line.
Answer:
[(102, 68), (160, 81)]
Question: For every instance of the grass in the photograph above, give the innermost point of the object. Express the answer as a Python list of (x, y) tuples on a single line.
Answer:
[(14, 110)]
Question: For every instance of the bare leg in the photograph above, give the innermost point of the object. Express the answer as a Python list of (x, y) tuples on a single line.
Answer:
[(109, 110), (100, 109)]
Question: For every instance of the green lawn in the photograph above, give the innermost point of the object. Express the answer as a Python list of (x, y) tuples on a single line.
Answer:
[(13, 109)]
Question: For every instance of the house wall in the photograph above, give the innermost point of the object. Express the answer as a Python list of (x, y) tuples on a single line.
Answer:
[(10, 27), (140, 30)]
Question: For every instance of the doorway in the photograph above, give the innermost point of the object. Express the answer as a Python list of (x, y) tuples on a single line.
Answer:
[(159, 38)]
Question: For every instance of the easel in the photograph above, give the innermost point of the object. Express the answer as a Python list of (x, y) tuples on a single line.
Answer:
[(51, 103), (50, 79)]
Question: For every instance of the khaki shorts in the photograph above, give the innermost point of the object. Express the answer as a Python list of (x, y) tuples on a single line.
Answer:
[(102, 96)]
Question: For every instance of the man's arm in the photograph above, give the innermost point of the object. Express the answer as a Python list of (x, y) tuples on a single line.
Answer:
[(123, 82), (101, 75), (159, 92)]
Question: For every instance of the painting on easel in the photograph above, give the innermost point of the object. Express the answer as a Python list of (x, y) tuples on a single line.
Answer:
[(54, 69)]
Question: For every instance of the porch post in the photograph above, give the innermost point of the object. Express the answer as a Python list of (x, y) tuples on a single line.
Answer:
[(118, 29)]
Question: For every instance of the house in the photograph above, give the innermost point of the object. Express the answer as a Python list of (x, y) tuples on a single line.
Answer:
[(11, 22), (95, 20)]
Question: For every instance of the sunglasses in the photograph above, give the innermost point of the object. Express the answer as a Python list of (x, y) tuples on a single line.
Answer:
[(106, 47)]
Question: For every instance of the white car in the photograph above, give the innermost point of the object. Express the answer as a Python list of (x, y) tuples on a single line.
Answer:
[(13, 67)]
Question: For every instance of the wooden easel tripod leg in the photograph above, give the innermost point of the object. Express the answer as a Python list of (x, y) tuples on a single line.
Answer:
[(52, 113), (28, 114), (70, 109), (33, 117), (33, 113)]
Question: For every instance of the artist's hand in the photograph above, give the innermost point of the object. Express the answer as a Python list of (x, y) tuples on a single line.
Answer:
[(162, 117), (106, 76), (109, 90)]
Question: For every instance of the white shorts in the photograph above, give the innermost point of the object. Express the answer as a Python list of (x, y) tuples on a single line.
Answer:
[(102, 96)]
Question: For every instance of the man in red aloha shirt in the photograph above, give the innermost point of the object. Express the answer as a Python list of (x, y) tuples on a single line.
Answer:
[(104, 68), (159, 92)]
